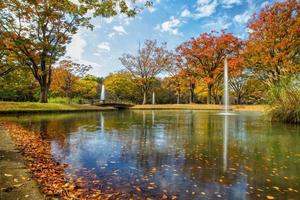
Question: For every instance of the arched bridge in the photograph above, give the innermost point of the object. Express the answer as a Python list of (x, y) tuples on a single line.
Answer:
[(115, 105)]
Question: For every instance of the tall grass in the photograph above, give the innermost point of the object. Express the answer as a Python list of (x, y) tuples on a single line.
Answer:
[(284, 99)]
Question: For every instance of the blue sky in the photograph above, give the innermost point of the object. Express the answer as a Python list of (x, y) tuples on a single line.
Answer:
[(171, 21)]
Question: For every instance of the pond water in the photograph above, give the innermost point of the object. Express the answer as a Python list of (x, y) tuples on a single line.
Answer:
[(187, 154)]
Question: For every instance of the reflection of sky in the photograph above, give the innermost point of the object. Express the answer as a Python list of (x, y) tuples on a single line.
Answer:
[(181, 152)]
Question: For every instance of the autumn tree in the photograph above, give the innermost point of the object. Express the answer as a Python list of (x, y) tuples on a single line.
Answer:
[(150, 61), (205, 56), (87, 87), (120, 86), (38, 31), (273, 47), (7, 60), (65, 77)]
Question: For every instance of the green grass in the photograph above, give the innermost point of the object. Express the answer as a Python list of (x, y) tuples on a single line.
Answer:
[(27, 107)]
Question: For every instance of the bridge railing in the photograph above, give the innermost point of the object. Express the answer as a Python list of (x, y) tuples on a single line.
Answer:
[(98, 101)]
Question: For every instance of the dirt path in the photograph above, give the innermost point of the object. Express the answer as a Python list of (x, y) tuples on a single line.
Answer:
[(15, 179)]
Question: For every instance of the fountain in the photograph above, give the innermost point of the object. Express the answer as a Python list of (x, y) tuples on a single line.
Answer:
[(226, 96), (102, 96), (153, 98), (226, 92)]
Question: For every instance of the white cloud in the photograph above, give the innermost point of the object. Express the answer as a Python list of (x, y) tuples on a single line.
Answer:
[(109, 20), (112, 34), (103, 47), (185, 13), (120, 30), (171, 26), (264, 4), (242, 18), (76, 48), (230, 3), (218, 24), (151, 9), (205, 8)]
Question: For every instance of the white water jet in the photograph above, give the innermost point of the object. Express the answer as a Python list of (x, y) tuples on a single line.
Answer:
[(226, 95), (102, 96), (153, 98), (226, 92)]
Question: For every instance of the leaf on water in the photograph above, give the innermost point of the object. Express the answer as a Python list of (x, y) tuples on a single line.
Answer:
[(138, 189), (276, 188), (18, 185), (8, 175), (270, 197)]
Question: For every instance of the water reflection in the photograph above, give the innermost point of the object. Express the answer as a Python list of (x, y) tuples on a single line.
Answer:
[(190, 154), (225, 136)]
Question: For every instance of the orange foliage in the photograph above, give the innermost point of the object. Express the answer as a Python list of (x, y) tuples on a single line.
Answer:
[(272, 49), (205, 56)]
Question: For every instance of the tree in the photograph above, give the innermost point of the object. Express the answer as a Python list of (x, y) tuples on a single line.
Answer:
[(273, 47), (65, 77), (37, 31), (175, 80), (18, 85), (205, 55), (86, 87), (7, 61), (120, 87), (150, 61)]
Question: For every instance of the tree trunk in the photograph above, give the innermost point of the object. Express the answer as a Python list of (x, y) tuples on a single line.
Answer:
[(209, 91), (44, 93), (192, 93), (239, 99), (145, 97)]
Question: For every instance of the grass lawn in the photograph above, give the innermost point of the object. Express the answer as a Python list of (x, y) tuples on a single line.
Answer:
[(27, 107), (260, 108)]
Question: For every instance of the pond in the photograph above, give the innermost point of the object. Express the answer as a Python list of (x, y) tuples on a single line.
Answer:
[(187, 154)]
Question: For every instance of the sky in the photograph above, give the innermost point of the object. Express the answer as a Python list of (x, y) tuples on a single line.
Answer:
[(171, 21)]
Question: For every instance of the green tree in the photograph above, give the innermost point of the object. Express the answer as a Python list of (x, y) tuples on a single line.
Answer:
[(18, 85)]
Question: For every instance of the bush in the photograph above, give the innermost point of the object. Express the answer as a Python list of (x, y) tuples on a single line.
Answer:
[(284, 99), (64, 100)]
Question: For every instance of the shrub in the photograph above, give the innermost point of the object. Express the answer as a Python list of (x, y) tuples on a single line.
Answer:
[(284, 99)]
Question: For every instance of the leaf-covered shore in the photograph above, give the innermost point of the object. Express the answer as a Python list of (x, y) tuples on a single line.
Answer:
[(51, 175)]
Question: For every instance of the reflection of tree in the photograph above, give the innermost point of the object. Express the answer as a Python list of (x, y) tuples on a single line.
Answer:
[(189, 142)]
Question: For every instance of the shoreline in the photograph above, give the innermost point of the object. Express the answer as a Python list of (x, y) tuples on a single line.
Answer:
[(254, 108), (15, 179), (8, 108), (40, 108)]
